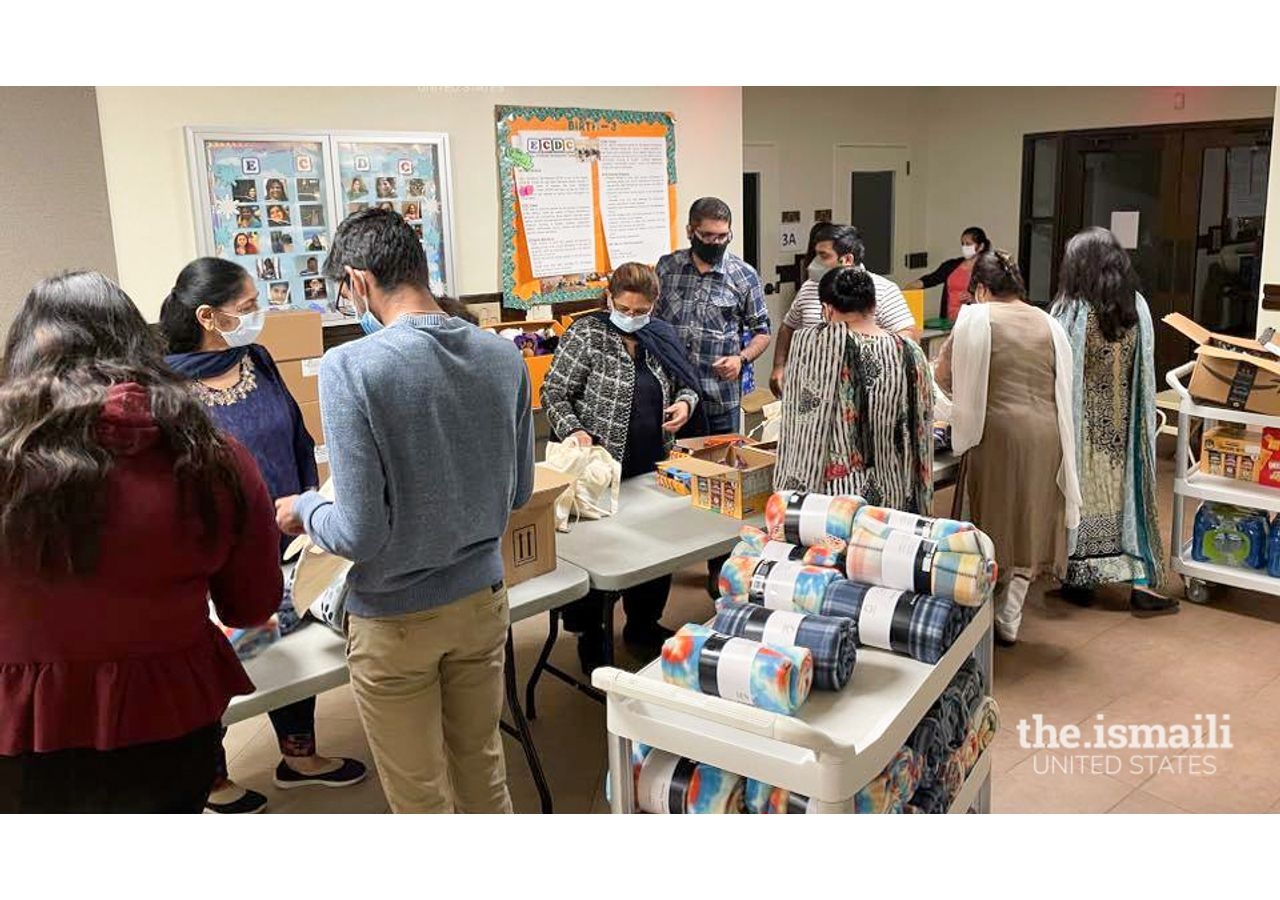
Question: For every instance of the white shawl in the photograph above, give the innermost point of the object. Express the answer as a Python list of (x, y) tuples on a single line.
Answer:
[(970, 370)]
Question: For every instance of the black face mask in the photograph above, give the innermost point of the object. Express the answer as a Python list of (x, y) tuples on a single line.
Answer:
[(711, 254)]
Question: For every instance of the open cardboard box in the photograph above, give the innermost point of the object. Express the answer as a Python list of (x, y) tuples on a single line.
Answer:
[(712, 447), (1233, 372), (723, 487), (529, 544)]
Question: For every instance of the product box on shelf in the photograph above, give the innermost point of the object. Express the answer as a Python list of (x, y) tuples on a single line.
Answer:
[(1230, 371), (529, 544), (737, 486), (292, 335), (1242, 454)]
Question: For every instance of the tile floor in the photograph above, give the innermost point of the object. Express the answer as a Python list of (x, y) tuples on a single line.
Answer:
[(1070, 665)]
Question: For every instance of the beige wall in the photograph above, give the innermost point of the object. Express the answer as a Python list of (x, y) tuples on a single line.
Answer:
[(146, 164), (975, 142), (966, 143), (53, 209)]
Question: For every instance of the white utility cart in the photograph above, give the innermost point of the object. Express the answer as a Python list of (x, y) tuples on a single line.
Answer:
[(1190, 483), (835, 745)]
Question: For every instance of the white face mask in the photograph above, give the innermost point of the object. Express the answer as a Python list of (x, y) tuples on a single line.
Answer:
[(247, 329), (968, 251)]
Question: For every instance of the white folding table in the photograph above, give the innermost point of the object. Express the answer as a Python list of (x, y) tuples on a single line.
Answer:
[(313, 660)]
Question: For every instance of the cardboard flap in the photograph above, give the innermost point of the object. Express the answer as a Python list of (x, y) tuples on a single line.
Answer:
[(547, 485), (1267, 363), (1188, 327), (755, 458), (701, 467), (1206, 338)]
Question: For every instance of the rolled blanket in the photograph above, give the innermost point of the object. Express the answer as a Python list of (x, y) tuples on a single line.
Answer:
[(921, 626), (988, 723), (829, 552), (799, 517), (672, 784), (777, 585), (930, 742), (970, 684), (951, 535), (774, 678), (909, 562), (892, 787), (765, 799), (832, 641), (954, 772), (931, 798)]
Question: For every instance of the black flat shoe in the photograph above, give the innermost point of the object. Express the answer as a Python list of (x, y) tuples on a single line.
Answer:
[(246, 804), (1143, 602), (352, 771), (1079, 596), (648, 636)]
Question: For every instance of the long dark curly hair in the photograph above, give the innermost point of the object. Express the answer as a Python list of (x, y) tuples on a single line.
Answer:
[(1096, 270), (76, 335)]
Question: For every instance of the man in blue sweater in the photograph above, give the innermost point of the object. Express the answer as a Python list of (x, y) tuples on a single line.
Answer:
[(430, 438)]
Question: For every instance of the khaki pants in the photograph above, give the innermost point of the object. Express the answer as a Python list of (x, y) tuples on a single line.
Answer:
[(429, 689)]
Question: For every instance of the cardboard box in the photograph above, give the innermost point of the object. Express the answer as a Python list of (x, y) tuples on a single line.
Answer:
[(674, 478), (1232, 453), (529, 544), (737, 487), (1230, 371), (322, 462), (709, 447), (311, 419), (293, 334), (302, 378)]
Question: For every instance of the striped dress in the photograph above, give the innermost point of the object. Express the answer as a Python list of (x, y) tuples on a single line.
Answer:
[(857, 418)]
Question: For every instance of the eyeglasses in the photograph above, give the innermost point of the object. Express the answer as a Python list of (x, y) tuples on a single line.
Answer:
[(342, 302), (714, 238)]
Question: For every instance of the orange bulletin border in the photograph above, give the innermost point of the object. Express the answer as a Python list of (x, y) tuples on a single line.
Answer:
[(520, 289)]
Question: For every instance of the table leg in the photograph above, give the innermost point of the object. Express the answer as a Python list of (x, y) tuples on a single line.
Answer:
[(553, 631), (610, 603), (522, 733), (622, 795)]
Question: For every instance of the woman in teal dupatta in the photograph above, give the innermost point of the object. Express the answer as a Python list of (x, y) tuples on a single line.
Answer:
[(1112, 342)]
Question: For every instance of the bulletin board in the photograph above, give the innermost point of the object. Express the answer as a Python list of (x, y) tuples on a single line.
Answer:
[(270, 202), (582, 191)]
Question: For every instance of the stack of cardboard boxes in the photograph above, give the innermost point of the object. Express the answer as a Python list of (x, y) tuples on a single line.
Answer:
[(296, 342)]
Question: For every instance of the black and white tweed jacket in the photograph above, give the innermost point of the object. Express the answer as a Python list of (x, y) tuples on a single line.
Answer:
[(592, 382)]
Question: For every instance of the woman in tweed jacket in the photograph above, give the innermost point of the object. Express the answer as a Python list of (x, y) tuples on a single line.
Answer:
[(623, 381)]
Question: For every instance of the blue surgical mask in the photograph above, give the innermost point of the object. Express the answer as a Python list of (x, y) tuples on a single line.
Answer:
[(369, 323), (629, 324)]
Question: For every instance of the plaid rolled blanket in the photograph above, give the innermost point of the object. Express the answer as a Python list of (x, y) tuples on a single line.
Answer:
[(777, 585), (672, 784), (951, 535), (931, 741), (879, 555), (832, 641), (774, 678), (828, 552), (799, 517), (917, 625)]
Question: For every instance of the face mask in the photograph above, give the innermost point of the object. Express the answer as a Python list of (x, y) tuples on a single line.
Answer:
[(711, 254), (629, 324), (369, 323), (968, 251), (817, 269), (246, 331)]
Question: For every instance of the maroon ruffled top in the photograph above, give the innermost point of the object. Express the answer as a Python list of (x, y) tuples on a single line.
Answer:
[(128, 655)]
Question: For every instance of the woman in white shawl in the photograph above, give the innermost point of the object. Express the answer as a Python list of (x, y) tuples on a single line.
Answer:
[(1114, 419), (1007, 366)]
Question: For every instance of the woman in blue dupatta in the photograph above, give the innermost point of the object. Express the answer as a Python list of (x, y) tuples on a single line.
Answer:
[(1113, 392)]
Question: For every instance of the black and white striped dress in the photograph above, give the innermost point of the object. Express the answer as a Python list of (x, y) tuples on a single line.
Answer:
[(853, 417)]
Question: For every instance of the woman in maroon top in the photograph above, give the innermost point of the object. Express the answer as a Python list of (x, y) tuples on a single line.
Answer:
[(123, 512)]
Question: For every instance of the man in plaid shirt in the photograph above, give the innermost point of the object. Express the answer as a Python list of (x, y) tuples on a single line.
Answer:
[(713, 298)]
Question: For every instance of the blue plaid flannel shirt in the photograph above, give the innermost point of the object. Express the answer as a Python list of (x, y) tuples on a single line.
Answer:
[(713, 314)]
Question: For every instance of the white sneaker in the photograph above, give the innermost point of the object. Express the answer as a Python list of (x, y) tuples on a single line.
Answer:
[(1009, 608)]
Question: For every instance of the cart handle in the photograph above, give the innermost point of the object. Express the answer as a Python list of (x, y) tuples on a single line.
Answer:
[(1174, 376), (785, 729)]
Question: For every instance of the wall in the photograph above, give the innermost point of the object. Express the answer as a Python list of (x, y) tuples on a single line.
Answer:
[(1271, 235), (53, 210), (806, 124), (146, 166), (966, 143), (975, 143)]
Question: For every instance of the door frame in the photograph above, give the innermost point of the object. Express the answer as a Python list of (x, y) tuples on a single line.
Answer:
[(842, 190)]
